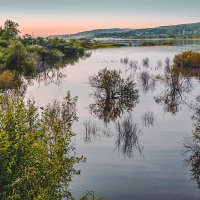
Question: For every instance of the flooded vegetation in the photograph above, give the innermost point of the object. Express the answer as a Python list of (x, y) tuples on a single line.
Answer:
[(96, 106), (148, 133), (176, 90), (150, 43), (128, 134), (192, 147), (135, 120), (113, 94)]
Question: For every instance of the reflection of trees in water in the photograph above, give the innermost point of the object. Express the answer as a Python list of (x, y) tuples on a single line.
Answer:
[(128, 134), (176, 89), (145, 62), (167, 64), (133, 65), (113, 95), (110, 109), (50, 76), (124, 61), (91, 130), (148, 119), (45, 72), (130, 65), (192, 152), (86, 55), (192, 149), (51, 73), (147, 81), (159, 64)]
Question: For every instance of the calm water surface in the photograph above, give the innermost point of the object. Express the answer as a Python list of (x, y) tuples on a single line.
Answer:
[(152, 165)]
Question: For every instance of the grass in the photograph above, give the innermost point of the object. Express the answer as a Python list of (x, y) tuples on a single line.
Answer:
[(149, 44), (104, 45)]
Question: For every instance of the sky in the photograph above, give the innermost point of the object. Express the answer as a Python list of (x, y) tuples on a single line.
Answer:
[(51, 17)]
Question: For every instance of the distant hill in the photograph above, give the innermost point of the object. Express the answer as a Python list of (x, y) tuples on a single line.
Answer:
[(173, 31), (92, 33)]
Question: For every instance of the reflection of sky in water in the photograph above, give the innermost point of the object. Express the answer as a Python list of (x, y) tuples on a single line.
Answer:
[(158, 174)]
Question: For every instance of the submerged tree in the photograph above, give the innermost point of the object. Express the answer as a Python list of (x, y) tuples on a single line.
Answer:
[(192, 149), (148, 119), (128, 134), (148, 82), (113, 94), (145, 62), (91, 130), (36, 160), (110, 109), (176, 89)]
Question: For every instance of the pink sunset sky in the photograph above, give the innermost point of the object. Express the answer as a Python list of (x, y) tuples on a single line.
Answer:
[(52, 17), (54, 27)]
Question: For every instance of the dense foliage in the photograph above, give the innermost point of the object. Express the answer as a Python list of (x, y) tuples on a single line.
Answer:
[(36, 157), (188, 59), (27, 55)]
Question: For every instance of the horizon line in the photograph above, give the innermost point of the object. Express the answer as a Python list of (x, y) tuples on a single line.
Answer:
[(88, 30)]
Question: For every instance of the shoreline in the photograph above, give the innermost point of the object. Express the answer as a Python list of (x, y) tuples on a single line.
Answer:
[(153, 39)]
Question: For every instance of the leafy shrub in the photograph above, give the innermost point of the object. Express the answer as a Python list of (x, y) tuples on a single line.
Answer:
[(188, 59), (7, 80), (36, 161)]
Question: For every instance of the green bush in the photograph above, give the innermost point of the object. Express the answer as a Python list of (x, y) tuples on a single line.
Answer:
[(35, 156), (188, 59)]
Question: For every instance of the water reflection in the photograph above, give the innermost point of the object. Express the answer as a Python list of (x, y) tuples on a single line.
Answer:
[(194, 72), (128, 134), (48, 73), (110, 109), (147, 81), (148, 119), (132, 66), (176, 90), (159, 64), (192, 148), (50, 76), (167, 62), (145, 62), (192, 151), (113, 95), (124, 61), (91, 130)]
